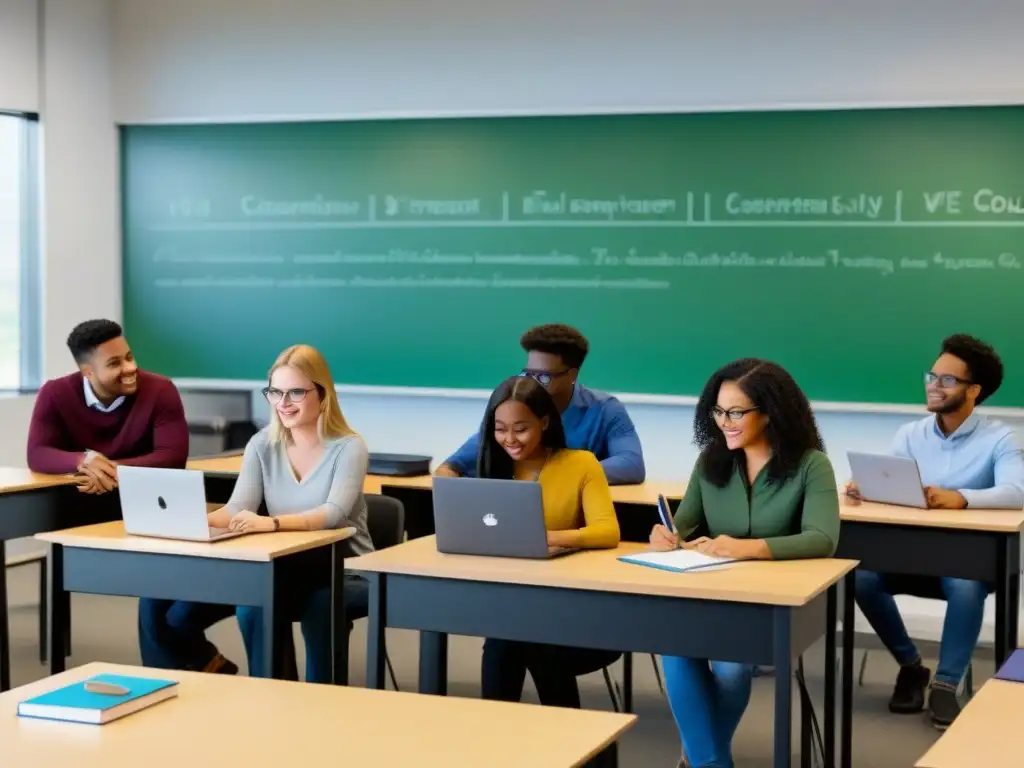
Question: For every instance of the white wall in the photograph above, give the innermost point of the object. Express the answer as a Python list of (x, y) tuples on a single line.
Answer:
[(245, 59), (81, 272), (82, 243), (19, 56)]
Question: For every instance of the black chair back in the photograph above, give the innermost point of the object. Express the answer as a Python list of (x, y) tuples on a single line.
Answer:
[(385, 519)]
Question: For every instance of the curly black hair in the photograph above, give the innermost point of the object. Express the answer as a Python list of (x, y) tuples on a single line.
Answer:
[(85, 337), (984, 366), (557, 339), (492, 461), (791, 429)]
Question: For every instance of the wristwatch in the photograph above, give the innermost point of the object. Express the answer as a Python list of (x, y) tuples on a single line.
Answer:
[(277, 524)]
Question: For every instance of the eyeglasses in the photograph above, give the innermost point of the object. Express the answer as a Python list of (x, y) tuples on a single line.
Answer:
[(275, 396), (944, 380), (544, 378), (733, 414)]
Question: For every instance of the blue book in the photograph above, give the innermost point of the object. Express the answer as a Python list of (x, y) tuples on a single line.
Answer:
[(1013, 668), (78, 703)]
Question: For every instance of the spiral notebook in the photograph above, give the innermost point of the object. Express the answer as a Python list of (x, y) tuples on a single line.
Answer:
[(681, 560)]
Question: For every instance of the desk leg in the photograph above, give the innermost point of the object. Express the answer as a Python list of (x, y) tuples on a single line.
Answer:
[(339, 621), (58, 614), (1007, 599), (5, 626), (434, 663), (606, 758), (782, 643), (627, 682), (271, 668), (1013, 598), (377, 616), (831, 617), (44, 600), (846, 728)]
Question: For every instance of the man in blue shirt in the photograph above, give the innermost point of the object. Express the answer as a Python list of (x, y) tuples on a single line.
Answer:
[(593, 421), (965, 461)]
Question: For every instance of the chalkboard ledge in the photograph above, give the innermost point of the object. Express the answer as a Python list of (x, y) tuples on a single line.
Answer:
[(823, 406)]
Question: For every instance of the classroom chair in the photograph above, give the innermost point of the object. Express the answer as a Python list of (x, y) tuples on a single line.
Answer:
[(622, 696), (385, 521)]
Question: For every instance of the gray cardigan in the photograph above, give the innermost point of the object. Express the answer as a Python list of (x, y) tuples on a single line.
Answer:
[(334, 485)]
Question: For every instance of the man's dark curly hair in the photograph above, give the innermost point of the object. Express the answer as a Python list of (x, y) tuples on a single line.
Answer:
[(984, 366), (557, 339), (791, 429), (83, 340)]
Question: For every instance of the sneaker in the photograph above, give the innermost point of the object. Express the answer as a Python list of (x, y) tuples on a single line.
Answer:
[(221, 665), (943, 705), (908, 695)]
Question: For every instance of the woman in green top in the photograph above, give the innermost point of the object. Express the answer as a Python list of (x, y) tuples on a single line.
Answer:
[(762, 489)]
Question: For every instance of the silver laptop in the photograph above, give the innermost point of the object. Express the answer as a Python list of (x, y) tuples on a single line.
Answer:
[(497, 518), (166, 503), (888, 479)]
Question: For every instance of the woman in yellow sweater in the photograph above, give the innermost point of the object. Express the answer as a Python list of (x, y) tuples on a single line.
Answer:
[(522, 438)]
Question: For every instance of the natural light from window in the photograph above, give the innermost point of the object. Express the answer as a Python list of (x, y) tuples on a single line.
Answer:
[(11, 164)]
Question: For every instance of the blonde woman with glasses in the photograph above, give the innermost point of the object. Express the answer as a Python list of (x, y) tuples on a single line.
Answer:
[(307, 466)]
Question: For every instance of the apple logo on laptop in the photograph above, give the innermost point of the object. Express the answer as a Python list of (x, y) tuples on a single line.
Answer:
[(490, 520), (160, 502)]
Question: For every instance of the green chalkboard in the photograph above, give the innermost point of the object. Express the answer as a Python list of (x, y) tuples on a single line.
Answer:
[(844, 245)]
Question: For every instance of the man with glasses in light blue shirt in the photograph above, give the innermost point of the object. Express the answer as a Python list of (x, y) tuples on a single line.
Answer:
[(593, 421), (966, 461)]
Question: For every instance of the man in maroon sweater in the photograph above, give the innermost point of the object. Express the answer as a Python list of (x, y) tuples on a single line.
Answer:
[(113, 413)]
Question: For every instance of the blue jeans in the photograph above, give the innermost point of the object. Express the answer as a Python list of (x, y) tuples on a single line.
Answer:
[(708, 699), (172, 633), (965, 609), (313, 612)]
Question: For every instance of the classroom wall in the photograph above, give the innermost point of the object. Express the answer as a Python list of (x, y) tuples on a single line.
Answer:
[(81, 245), (227, 60), (245, 59), (19, 56), (215, 60)]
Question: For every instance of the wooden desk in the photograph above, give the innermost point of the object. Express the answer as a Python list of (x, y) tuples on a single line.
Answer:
[(756, 612), (979, 544), (29, 503), (17, 480), (645, 493), (414, 492), (985, 733), (212, 722), (248, 570), (994, 520)]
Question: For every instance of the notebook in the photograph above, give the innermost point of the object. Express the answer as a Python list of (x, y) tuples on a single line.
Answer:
[(74, 704), (681, 560), (1013, 668)]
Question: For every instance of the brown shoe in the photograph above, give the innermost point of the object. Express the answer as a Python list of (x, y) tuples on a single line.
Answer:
[(220, 665)]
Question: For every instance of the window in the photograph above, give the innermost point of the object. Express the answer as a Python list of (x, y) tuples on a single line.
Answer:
[(19, 255)]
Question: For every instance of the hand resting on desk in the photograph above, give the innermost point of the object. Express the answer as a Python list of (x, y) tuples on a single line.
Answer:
[(96, 474), (664, 540), (937, 498)]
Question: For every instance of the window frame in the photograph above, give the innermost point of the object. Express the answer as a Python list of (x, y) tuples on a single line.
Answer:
[(30, 294)]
